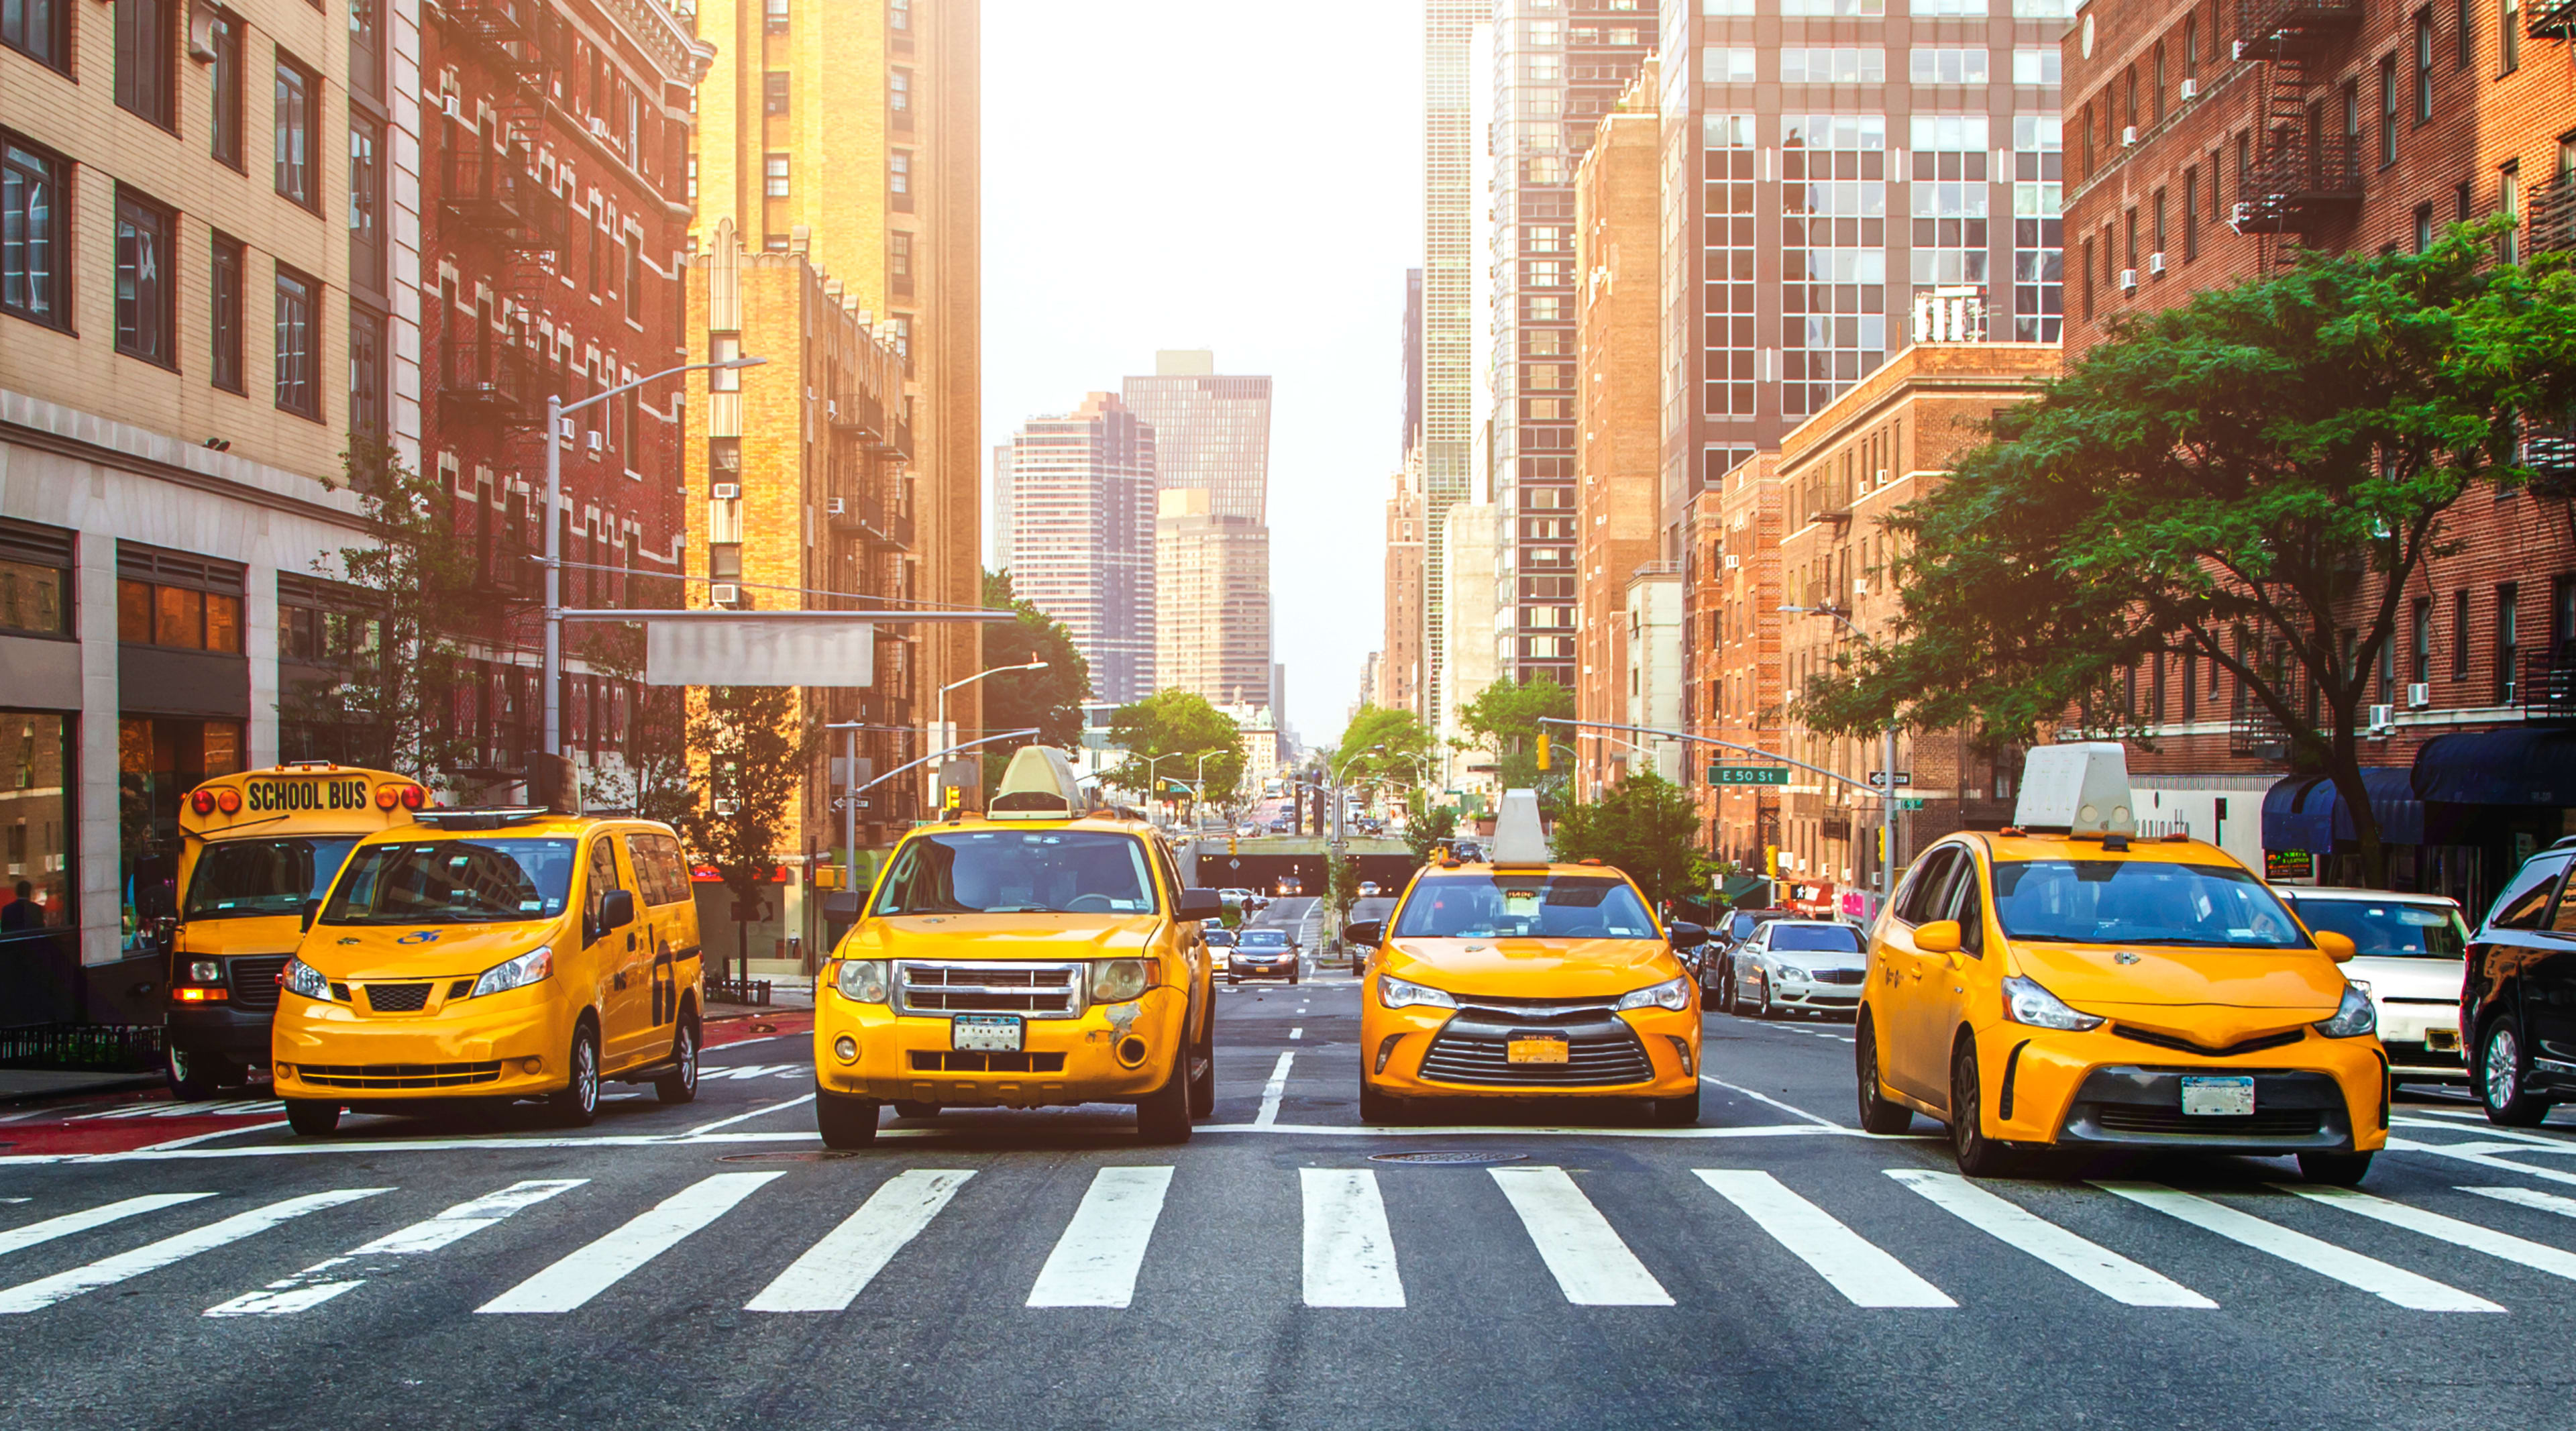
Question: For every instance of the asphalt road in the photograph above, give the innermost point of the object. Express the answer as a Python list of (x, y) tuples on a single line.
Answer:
[(709, 1265)]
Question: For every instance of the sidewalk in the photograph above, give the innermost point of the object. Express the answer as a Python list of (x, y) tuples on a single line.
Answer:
[(27, 1085)]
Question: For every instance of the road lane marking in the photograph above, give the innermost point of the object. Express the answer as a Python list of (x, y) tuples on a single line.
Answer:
[(2483, 1155), (33, 1233), (1857, 1268), (44, 1292), (1774, 1102), (332, 1276), (1296, 1034), (1273, 1091), (835, 1270), (1350, 1254), (1095, 1262), (2088, 1262), (2536, 1256), (2527, 1197), (746, 1117), (2392, 1284), (585, 1272), (1592, 1263)]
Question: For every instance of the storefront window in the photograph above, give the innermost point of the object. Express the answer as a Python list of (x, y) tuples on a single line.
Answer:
[(161, 759), (35, 823)]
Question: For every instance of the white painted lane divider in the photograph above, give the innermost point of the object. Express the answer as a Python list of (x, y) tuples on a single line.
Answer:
[(64, 1226), (834, 1271), (1592, 1264), (330, 1277), (1296, 1034), (1856, 1267), (1095, 1262), (586, 1272), (1350, 1254), (2392, 1284), (2527, 1197), (44, 1292), (1273, 1091), (2539, 1257), (2090, 1263)]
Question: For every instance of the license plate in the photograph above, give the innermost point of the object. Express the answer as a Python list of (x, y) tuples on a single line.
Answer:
[(986, 1033), (2218, 1097), (1536, 1050)]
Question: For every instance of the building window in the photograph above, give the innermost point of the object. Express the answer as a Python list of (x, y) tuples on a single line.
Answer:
[(2509, 35), (299, 301), (773, 92), (2419, 661), (2190, 46), (899, 15), (147, 34), (366, 205), (693, 178), (2387, 110), (35, 581), (2464, 33), (38, 770), (2460, 635), (184, 617), (773, 172), (899, 263), (297, 93), (2423, 67), (899, 97), (367, 48), (634, 265), (35, 235), (2036, 67), (39, 29), (2088, 280), (224, 90), (2509, 204), (2423, 227), (224, 313), (146, 290), (366, 372), (2159, 249), (2191, 213), (2508, 643), (899, 180), (774, 16)]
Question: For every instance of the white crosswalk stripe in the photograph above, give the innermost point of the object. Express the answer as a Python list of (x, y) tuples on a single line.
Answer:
[(2090, 1263), (64, 1226), (1856, 1267), (330, 1277), (2452, 1230), (1350, 1253), (46, 1291), (1096, 1261), (1592, 1264), (2394, 1284), (588, 1271), (836, 1269), (2526, 1197)]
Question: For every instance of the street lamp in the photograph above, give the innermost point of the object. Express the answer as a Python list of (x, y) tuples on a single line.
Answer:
[(556, 410), (1887, 766), (945, 737)]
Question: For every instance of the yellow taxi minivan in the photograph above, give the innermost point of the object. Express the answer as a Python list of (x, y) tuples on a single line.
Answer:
[(494, 954), (2067, 983), (257, 848), (1523, 978), (1040, 955)]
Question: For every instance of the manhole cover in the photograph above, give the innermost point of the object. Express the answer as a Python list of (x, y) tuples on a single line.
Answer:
[(1447, 1158), (811, 1155)]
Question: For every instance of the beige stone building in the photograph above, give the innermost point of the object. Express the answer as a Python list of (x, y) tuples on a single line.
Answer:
[(1399, 684), (1211, 598)]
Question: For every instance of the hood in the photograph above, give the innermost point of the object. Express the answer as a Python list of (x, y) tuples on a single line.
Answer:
[(377, 951), (2302, 983), (2409, 978), (1819, 958), (229, 938), (1002, 936), (1532, 968)]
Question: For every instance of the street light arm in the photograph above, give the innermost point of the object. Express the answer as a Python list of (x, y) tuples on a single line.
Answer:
[(594, 399)]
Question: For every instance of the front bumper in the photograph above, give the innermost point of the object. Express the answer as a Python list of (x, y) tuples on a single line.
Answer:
[(1788, 993), (2423, 1040), (1062, 1061), (1421, 1052), (2098, 1089), (1279, 968), (223, 1030), (510, 1045)]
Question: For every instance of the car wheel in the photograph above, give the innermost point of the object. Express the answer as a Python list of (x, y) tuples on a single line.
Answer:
[(1292, 974), (1878, 1114), (1763, 1010), (1376, 1107), (193, 1077), (1679, 1112), (2504, 1077), (1726, 988), (844, 1123), (1234, 978), (1163, 1116), (1979, 1156), (2343, 1170), (680, 1085), (1203, 1071), (312, 1118), (578, 1103)]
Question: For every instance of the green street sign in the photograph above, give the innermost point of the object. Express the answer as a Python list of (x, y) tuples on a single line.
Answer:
[(1909, 804), (1748, 775)]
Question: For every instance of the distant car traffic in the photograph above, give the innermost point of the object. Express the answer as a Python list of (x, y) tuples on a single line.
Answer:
[(1368, 889), (2519, 992), (1262, 954), (1290, 884), (1219, 937), (1717, 962), (2409, 955), (1279, 826), (1800, 965)]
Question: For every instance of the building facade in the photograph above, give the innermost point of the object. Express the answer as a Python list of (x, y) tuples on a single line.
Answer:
[(1212, 435), (1731, 597), (1082, 537), (1470, 539), (1399, 684), (1211, 598), (1448, 315)]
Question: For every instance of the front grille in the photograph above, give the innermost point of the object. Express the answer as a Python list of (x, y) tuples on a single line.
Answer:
[(936, 1060), (255, 981), (400, 1075), (1483, 1057), (397, 998), (2183, 1045), (1840, 976), (1042, 991), (2261, 1123), (462, 988)]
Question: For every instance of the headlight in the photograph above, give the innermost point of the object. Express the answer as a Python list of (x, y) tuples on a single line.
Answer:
[(2025, 1002), (1792, 971), (1115, 981), (517, 973), (1671, 994), (205, 971), (303, 978), (1397, 993), (862, 981), (2354, 1016)]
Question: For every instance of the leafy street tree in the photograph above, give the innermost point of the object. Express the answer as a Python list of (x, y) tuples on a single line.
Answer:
[(1426, 826), (1644, 826), (1506, 715), (1180, 725), (1407, 742), (2253, 481), (1050, 699), (754, 752)]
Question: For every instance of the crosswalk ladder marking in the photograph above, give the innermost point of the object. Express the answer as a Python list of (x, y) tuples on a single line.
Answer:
[(1095, 1262), (1591, 1262), (2088, 1262), (332, 1276), (15, 1238), (1857, 1268), (2537, 1256), (2393, 1284), (1350, 1254), (2526, 1197), (107, 1271), (836, 1269), (586, 1272)]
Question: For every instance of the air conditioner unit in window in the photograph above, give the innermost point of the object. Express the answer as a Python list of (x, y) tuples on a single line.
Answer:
[(2128, 280), (596, 442), (1733, 561), (728, 491), (727, 807), (2383, 719), (2190, 90), (1860, 586), (836, 507), (2238, 52), (2128, 135), (2419, 694), (724, 593), (2155, 265), (2238, 216)]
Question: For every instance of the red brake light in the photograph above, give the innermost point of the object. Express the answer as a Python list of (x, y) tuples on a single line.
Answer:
[(385, 797), (203, 802), (228, 801), (413, 797)]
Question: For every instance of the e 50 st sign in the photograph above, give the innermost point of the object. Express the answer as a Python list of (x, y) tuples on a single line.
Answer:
[(1748, 775)]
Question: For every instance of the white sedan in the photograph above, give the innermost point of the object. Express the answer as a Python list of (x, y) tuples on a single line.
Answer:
[(1800, 965), (2410, 953)]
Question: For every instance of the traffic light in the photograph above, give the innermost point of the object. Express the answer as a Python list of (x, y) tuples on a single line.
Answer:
[(951, 797), (1230, 845), (1542, 750)]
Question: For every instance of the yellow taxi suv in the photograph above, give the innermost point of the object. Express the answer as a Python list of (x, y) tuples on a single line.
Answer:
[(1527, 979), (257, 850), (1041, 955), (2067, 984), (494, 954)]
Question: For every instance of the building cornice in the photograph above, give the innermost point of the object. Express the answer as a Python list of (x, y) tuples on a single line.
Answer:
[(36, 424)]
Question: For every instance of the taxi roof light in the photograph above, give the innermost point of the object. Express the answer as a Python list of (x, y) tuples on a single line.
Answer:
[(2080, 788), (1038, 785), (1518, 837)]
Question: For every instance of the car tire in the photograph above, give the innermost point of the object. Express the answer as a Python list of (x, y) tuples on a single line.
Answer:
[(2342, 1170), (914, 1108), (1163, 1116), (195, 1077), (1203, 1075), (1234, 978), (2503, 1077), (844, 1123), (1878, 1113), (1376, 1107), (680, 1085), (1979, 1156), (311, 1117), (578, 1103), (1292, 974), (1679, 1112), (1763, 1010), (1725, 987)]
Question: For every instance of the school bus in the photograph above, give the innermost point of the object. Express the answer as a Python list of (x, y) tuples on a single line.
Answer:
[(258, 850)]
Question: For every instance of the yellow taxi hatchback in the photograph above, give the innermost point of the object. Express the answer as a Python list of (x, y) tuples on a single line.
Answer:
[(2067, 984), (494, 955), (1527, 979)]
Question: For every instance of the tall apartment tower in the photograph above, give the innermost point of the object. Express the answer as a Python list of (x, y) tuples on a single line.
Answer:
[(1448, 304), (1399, 672), (1211, 599), (1212, 435), (1082, 536), (1824, 168), (1557, 70), (858, 123)]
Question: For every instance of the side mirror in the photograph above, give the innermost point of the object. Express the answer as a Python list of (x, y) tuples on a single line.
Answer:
[(312, 908), (2338, 947), (1940, 936), (1686, 935), (616, 910), (1371, 932), (1202, 904)]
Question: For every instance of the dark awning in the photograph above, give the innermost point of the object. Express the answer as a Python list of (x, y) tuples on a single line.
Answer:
[(1746, 892), (2306, 812), (2499, 767)]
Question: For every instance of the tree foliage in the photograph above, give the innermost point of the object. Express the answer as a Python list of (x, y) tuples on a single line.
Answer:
[(1505, 715), (1406, 741), (1050, 699), (1426, 825), (1644, 826), (755, 751), (1180, 726), (2252, 481)]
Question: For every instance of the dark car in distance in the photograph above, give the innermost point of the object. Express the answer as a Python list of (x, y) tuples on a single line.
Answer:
[(1262, 954)]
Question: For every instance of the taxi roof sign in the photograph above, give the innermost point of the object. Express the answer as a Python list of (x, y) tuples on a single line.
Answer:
[(1518, 838), (1039, 785), (2081, 787)]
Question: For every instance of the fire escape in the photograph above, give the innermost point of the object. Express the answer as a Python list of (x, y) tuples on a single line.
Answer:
[(2306, 173)]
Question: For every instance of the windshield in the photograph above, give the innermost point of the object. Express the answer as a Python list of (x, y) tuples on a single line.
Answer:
[(1741, 925), (1270, 937), (1836, 938), (245, 879), (453, 882), (2389, 930), (1515, 906), (1019, 872), (2140, 902)]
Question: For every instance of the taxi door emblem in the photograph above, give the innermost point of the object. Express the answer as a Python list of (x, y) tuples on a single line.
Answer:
[(2124, 957), (420, 936)]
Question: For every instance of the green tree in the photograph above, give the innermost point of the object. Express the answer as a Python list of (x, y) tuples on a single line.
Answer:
[(1426, 825), (1406, 742), (1050, 699), (1506, 716), (2251, 480), (1179, 725), (1646, 827), (755, 752)]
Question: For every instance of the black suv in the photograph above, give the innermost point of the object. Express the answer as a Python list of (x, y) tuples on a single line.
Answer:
[(2518, 996)]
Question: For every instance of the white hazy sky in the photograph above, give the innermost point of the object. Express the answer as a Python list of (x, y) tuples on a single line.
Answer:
[(1232, 175)]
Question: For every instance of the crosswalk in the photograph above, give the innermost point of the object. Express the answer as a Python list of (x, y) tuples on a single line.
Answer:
[(560, 1244)]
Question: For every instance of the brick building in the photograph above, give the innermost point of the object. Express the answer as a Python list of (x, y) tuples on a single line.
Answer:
[(1731, 649)]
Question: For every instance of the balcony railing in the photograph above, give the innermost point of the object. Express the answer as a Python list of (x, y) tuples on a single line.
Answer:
[(2552, 19), (2297, 23), (494, 197), (2549, 450), (2553, 209), (504, 396), (2253, 734), (2301, 182), (2547, 690)]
